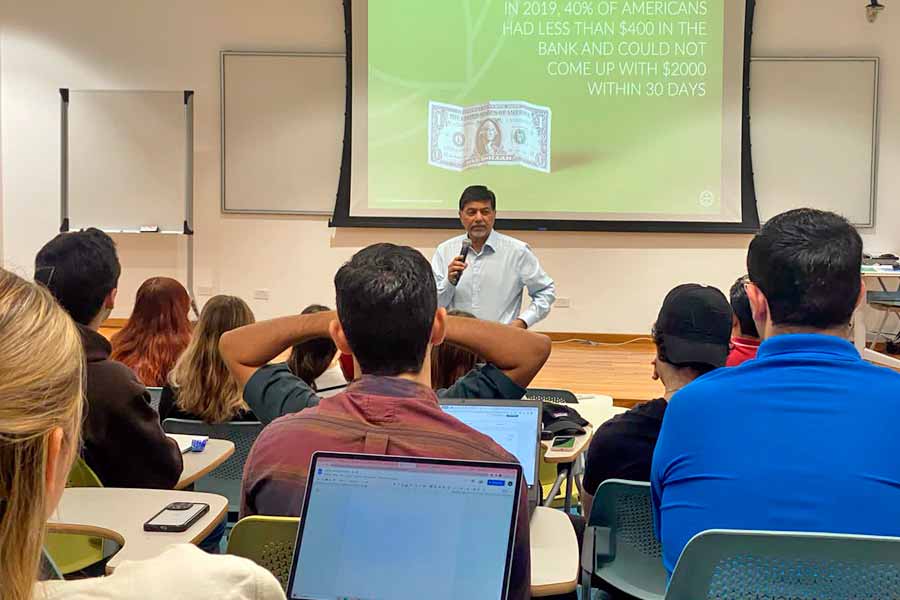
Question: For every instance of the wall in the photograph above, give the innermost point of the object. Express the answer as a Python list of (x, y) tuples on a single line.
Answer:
[(615, 281)]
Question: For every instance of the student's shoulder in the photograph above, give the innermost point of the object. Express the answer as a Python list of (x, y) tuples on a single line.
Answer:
[(880, 377), (116, 378), (709, 392)]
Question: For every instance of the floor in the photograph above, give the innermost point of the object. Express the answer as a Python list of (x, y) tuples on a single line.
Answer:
[(620, 371)]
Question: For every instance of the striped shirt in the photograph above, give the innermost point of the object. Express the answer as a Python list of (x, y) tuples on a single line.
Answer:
[(376, 415)]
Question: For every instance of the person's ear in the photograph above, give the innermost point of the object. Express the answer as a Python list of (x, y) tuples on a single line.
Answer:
[(338, 337), (109, 302), (56, 470), (439, 327), (759, 307), (655, 375)]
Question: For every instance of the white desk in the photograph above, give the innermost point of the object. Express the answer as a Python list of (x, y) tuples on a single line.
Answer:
[(198, 464), (859, 323), (554, 553), (596, 409), (119, 514)]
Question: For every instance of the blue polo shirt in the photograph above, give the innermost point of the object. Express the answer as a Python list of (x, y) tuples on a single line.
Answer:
[(804, 438)]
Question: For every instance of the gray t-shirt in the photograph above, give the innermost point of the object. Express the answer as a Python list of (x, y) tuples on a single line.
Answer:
[(274, 391)]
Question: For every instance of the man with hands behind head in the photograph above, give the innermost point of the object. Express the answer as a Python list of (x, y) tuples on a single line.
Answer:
[(388, 319)]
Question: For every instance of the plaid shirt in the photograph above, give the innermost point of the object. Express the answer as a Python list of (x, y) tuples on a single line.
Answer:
[(376, 415)]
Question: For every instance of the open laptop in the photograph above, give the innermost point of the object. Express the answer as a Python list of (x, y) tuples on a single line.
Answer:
[(405, 528), (515, 425)]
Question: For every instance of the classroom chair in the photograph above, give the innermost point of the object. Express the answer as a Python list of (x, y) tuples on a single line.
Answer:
[(887, 303), (549, 395), (768, 564), (225, 480), (267, 541), (155, 397), (619, 545), (68, 552)]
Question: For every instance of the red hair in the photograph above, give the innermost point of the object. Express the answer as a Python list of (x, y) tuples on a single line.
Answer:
[(157, 332)]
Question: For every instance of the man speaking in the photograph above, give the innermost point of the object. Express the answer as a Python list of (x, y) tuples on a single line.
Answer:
[(483, 271)]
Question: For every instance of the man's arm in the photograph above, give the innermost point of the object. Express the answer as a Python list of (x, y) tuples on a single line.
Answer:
[(445, 289), (520, 354), (247, 349), (540, 287)]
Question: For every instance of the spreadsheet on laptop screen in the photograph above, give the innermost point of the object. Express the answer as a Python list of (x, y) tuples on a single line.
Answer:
[(405, 530)]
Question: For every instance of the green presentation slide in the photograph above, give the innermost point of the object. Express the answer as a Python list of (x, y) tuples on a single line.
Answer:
[(577, 107)]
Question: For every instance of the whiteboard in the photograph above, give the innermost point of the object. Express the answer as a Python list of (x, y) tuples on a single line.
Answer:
[(814, 128), (282, 131), (125, 157)]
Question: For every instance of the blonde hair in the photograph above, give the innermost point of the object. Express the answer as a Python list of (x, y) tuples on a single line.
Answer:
[(205, 387), (41, 374)]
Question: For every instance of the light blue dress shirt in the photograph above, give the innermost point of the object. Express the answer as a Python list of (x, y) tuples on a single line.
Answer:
[(491, 286)]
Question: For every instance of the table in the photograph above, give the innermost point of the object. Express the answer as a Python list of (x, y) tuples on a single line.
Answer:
[(119, 514), (859, 323), (198, 464), (554, 553), (596, 409)]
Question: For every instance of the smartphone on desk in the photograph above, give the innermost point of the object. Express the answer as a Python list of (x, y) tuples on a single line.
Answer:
[(564, 441), (177, 517)]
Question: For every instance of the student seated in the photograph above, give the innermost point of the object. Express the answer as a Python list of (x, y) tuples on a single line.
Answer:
[(309, 360), (41, 412), (123, 441), (744, 336), (449, 362), (691, 336), (803, 437), (200, 386), (272, 390), (157, 332), (387, 317)]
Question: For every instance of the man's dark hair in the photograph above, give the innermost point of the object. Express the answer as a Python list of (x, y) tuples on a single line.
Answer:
[(807, 263), (701, 368), (740, 305), (477, 193), (386, 301), (79, 268)]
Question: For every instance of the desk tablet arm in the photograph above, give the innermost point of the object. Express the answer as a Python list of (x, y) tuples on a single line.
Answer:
[(598, 547)]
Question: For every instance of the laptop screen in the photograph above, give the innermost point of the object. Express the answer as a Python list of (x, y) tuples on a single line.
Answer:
[(516, 427), (393, 527)]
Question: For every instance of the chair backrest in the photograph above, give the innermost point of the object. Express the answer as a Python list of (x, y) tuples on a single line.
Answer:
[(742, 565), (67, 552), (155, 396), (635, 567), (82, 475), (226, 478), (267, 541), (548, 395)]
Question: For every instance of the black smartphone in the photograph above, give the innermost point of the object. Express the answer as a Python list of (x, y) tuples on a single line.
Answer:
[(564, 441), (177, 517)]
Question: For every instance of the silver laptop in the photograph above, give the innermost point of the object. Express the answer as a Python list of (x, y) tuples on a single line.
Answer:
[(405, 528), (515, 425)]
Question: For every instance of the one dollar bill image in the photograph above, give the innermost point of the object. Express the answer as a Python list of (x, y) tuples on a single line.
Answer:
[(494, 133)]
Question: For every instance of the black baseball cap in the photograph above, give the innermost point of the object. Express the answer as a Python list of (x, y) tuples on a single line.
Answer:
[(694, 324)]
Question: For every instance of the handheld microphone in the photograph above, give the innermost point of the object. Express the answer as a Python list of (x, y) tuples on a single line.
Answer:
[(464, 252)]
